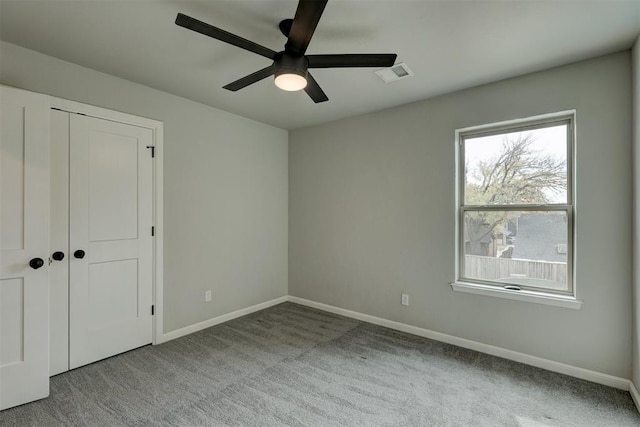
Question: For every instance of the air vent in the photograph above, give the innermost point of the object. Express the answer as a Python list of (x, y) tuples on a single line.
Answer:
[(397, 72)]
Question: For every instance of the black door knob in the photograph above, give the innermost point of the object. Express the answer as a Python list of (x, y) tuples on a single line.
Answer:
[(79, 254), (58, 256), (36, 263)]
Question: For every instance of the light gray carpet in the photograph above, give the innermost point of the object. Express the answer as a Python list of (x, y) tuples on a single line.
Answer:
[(295, 366)]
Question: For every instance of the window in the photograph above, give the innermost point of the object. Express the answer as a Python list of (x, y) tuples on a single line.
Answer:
[(515, 206)]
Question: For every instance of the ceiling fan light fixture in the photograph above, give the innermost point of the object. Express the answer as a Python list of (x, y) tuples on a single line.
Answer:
[(290, 80), (291, 74)]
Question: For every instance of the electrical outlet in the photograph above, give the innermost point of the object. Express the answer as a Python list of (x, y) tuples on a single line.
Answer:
[(405, 299), (207, 296)]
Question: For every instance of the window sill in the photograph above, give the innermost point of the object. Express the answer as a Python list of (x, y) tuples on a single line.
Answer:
[(527, 296)]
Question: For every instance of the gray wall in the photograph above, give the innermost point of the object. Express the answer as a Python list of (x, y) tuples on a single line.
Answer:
[(225, 187), (371, 215), (371, 206), (635, 377)]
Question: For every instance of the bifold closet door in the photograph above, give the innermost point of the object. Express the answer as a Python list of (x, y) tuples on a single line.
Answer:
[(24, 247), (110, 242), (59, 245)]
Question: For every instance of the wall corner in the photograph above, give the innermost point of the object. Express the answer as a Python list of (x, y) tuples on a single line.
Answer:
[(635, 120)]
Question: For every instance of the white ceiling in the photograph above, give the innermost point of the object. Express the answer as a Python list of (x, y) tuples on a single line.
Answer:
[(449, 45)]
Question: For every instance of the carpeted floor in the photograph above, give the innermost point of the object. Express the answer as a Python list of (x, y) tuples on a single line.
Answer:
[(295, 366)]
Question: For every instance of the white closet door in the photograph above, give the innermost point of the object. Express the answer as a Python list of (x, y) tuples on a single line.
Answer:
[(110, 243), (24, 247), (59, 244)]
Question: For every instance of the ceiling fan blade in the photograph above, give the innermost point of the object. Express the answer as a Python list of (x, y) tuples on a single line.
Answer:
[(222, 35), (304, 24), (314, 91), (251, 79), (352, 60)]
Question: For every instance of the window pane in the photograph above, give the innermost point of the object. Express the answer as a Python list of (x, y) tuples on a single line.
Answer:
[(523, 167), (524, 248)]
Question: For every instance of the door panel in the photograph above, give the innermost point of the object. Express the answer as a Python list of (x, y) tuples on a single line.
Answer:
[(24, 235), (12, 169), (110, 208), (113, 175), (113, 292), (11, 321)]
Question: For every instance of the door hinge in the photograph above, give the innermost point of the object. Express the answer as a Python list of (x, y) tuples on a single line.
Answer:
[(153, 310), (153, 150), (153, 230)]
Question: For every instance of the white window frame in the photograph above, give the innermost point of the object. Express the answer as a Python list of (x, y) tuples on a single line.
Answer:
[(504, 290)]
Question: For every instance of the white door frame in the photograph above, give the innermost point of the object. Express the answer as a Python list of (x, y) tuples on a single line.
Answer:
[(157, 128)]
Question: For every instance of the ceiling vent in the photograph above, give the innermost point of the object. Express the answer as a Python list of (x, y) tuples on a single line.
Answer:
[(397, 72)]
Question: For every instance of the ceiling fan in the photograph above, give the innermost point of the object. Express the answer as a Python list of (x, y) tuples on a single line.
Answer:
[(290, 65)]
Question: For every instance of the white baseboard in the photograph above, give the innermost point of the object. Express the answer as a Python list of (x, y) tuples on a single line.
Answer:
[(220, 319), (550, 365), (634, 395)]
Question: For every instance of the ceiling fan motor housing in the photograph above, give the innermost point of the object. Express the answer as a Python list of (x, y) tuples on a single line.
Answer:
[(289, 64)]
